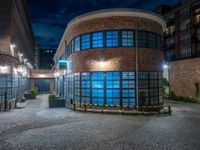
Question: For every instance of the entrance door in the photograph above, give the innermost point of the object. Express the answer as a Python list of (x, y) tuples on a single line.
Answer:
[(43, 85)]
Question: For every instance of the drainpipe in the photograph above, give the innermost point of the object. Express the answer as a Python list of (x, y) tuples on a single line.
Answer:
[(136, 62)]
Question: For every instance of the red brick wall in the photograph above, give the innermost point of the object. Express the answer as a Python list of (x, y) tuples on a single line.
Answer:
[(110, 23), (122, 59), (183, 75)]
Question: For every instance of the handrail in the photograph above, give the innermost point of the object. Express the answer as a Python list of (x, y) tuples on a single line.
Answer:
[(103, 107)]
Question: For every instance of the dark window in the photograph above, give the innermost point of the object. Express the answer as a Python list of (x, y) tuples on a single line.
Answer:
[(152, 40), (142, 39), (128, 88), (128, 38), (112, 38)]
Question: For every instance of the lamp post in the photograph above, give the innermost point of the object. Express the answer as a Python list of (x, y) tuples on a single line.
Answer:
[(136, 61)]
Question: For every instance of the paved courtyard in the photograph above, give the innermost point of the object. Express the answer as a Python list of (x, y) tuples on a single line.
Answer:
[(38, 127)]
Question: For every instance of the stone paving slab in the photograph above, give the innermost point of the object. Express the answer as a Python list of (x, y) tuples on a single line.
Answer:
[(38, 127)]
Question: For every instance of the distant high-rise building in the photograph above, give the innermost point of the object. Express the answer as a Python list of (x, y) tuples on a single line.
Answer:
[(36, 55), (46, 58), (16, 50)]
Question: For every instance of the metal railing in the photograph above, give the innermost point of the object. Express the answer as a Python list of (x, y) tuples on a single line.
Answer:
[(142, 109)]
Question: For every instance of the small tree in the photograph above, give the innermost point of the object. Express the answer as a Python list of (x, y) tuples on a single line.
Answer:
[(165, 86)]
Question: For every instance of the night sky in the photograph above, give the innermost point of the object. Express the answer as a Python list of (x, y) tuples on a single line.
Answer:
[(50, 17)]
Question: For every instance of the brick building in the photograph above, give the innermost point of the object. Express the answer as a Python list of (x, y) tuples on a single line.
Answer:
[(16, 50), (111, 57), (182, 45)]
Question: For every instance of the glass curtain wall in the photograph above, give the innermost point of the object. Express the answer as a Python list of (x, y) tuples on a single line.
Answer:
[(112, 88)]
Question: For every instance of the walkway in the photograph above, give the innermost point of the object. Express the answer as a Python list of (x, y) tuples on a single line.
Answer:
[(38, 127)]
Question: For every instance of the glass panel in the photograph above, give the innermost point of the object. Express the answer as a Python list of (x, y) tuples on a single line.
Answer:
[(97, 40), (128, 38), (112, 39), (77, 44), (85, 41)]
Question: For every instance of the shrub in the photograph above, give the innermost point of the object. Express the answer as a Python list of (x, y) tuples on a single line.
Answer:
[(53, 96), (33, 91), (37, 90), (173, 96), (165, 87)]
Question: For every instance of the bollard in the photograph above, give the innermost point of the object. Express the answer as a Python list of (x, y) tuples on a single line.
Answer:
[(85, 107), (102, 107), (169, 109), (159, 110), (6, 101), (74, 108)]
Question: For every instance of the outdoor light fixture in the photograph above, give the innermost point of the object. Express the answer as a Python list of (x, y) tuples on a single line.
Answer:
[(102, 64), (41, 75), (13, 45), (56, 74), (4, 69), (165, 66), (62, 61)]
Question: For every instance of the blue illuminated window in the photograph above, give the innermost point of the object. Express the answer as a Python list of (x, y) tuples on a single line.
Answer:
[(98, 87), (97, 40), (112, 38), (85, 88), (128, 38), (76, 87), (77, 44), (112, 88), (85, 41)]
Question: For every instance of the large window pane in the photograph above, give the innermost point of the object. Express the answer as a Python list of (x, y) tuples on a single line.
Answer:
[(112, 88), (142, 39), (128, 88), (85, 41), (77, 44), (97, 40), (152, 40), (98, 88), (112, 38), (85, 88), (128, 38)]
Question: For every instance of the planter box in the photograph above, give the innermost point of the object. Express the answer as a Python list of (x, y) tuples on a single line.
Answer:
[(56, 103), (30, 96)]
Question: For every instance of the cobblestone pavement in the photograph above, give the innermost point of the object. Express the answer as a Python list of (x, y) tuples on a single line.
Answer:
[(38, 127)]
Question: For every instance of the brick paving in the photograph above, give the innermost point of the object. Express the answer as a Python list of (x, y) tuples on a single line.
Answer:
[(38, 127)]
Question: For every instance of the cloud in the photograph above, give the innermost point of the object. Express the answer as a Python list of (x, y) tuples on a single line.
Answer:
[(50, 17)]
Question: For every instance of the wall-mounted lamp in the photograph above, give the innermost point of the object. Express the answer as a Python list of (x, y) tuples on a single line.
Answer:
[(102, 64), (165, 66)]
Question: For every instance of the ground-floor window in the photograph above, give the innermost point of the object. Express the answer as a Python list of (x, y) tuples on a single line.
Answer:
[(113, 88), (12, 86)]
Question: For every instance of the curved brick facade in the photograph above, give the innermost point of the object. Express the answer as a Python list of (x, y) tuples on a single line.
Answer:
[(121, 59), (106, 73)]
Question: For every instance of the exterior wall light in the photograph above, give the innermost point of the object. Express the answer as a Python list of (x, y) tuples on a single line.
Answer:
[(165, 66), (102, 64), (4, 69), (13, 45)]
